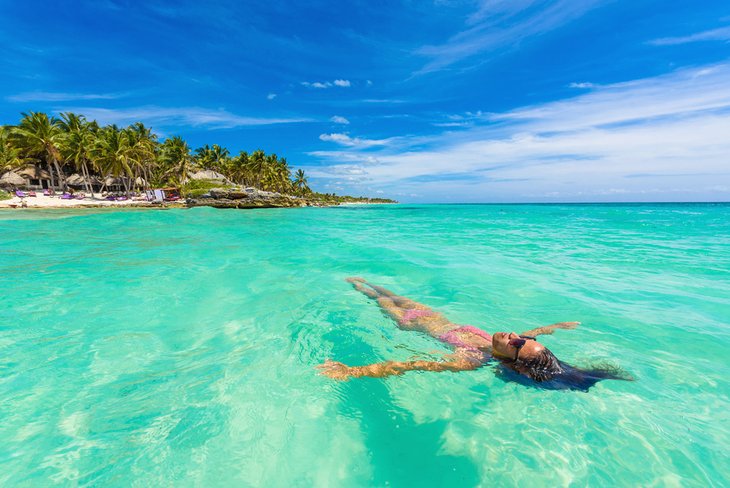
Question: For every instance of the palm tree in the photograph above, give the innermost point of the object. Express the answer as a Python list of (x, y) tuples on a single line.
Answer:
[(40, 137), (256, 166), (283, 173), (221, 155), (142, 145), (300, 182), (212, 157), (112, 154), (203, 156), (9, 156), (177, 159), (78, 143)]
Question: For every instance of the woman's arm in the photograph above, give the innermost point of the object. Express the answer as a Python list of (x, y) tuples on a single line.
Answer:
[(549, 329), (340, 371)]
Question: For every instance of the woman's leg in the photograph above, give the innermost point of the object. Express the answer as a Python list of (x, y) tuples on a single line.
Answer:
[(403, 310), (379, 291), (408, 314)]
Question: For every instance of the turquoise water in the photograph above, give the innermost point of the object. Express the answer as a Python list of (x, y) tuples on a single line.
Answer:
[(161, 348)]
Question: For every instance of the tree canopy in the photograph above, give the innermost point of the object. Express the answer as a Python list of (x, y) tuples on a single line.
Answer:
[(133, 155)]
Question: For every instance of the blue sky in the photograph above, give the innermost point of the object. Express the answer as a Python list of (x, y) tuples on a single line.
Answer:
[(424, 101)]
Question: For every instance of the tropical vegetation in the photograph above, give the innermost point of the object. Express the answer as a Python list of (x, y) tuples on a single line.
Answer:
[(135, 158)]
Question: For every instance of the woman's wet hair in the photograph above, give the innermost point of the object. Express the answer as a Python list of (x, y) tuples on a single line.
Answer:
[(543, 366), (548, 371)]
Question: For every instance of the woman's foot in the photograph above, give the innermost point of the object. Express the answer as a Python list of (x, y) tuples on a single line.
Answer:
[(355, 279)]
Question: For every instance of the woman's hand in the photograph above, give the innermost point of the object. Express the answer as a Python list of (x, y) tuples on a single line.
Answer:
[(336, 370)]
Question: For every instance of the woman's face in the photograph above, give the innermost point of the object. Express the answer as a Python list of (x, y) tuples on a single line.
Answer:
[(507, 345)]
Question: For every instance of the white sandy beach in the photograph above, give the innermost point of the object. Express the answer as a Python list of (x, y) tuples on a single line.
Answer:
[(43, 201)]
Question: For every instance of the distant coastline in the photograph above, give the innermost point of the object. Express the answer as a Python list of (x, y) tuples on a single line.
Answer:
[(226, 197)]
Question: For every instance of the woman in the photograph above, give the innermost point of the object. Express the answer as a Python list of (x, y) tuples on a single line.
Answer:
[(521, 357)]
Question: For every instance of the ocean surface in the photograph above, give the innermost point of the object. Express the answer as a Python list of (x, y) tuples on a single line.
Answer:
[(179, 347)]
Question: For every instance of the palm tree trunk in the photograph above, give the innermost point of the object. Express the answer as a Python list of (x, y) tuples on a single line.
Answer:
[(103, 184), (61, 176), (50, 172), (85, 174)]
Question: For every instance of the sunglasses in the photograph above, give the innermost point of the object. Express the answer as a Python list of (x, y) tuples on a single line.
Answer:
[(518, 343)]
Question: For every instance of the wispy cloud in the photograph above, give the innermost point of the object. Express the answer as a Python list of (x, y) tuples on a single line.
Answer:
[(346, 140), (338, 119), (316, 84), (502, 24), (466, 119), (271, 96), (583, 84), (383, 100), (327, 84), (41, 96), (721, 34), (179, 116), (590, 145)]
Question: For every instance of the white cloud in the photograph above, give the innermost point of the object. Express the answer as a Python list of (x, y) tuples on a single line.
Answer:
[(177, 116), (721, 34), (337, 119), (326, 84), (346, 140), (317, 84), (39, 96), (271, 96), (584, 84), (655, 138)]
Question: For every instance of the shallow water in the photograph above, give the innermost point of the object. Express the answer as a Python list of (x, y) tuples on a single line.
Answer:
[(159, 348)]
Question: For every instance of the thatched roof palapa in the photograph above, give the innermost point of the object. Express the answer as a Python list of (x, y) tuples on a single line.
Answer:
[(33, 172), (75, 180), (111, 181), (208, 175), (11, 179)]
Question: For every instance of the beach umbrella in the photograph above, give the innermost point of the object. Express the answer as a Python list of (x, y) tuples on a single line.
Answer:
[(11, 179)]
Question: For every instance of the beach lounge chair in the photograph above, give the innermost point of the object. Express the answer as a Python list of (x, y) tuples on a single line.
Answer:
[(32, 194), (67, 196), (80, 196), (20, 194)]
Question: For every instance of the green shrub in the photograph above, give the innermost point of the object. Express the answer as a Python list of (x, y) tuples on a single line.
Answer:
[(198, 188), (5, 195)]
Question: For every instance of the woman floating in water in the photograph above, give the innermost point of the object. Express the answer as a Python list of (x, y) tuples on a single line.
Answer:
[(522, 358)]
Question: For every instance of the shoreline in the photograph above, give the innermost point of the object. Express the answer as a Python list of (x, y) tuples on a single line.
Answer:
[(43, 202), (55, 202)]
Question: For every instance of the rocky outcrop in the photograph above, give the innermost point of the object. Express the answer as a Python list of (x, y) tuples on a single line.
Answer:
[(248, 198)]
